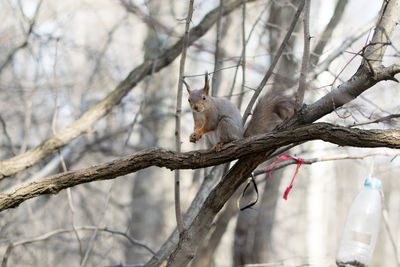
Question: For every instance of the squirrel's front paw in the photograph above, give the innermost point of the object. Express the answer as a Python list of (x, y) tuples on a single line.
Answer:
[(194, 137)]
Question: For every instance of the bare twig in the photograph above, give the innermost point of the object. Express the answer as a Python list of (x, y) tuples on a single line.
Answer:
[(327, 34), (243, 56), (72, 209), (324, 65), (142, 102), (64, 166), (386, 118), (286, 162), (306, 57), (28, 33), (216, 78), (50, 234), (98, 61), (152, 22), (274, 61), (132, 240), (4, 126), (11, 55), (385, 215), (27, 121), (97, 228), (247, 41), (373, 104), (178, 115)]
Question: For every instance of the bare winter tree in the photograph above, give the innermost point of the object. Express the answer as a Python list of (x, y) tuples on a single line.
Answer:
[(89, 103)]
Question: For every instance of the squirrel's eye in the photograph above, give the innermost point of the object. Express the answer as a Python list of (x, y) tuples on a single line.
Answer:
[(204, 97), (189, 100)]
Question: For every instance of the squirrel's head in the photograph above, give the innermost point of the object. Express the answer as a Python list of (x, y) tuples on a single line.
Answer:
[(199, 99)]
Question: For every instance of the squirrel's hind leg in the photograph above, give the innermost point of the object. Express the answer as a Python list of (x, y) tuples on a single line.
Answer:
[(228, 131), (213, 142), (217, 147), (225, 133)]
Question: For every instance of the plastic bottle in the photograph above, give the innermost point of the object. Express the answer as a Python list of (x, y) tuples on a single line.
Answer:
[(361, 227)]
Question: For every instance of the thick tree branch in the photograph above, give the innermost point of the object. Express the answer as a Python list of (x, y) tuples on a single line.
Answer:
[(196, 232), (346, 92), (13, 165), (388, 20), (202, 158), (201, 195)]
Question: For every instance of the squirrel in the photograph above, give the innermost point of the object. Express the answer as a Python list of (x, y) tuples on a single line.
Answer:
[(220, 120)]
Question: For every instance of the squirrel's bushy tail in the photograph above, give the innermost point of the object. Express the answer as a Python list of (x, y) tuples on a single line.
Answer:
[(262, 114)]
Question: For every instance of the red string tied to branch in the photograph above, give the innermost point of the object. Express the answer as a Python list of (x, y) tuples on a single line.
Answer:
[(272, 165)]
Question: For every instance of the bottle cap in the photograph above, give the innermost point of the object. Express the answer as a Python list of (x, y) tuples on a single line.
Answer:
[(373, 183)]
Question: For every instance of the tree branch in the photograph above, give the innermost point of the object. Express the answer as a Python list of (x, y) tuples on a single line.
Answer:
[(383, 119), (387, 22), (290, 161), (306, 57), (25, 43), (13, 165), (50, 234), (342, 136), (178, 112)]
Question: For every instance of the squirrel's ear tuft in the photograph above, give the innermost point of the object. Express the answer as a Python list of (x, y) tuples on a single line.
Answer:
[(187, 85), (206, 88)]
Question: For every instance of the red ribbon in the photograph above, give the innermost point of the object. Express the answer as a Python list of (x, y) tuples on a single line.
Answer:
[(299, 162)]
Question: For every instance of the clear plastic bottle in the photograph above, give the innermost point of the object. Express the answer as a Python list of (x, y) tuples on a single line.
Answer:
[(361, 227)]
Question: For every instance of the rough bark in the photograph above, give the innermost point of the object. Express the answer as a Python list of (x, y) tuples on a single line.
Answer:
[(201, 158), (346, 92)]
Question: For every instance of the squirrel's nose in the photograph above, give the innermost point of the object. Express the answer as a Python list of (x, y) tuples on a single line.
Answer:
[(196, 108)]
